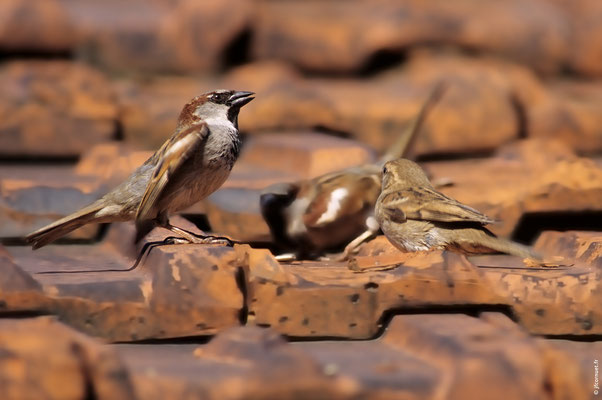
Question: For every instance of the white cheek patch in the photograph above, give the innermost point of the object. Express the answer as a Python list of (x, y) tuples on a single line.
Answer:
[(220, 121), (334, 205)]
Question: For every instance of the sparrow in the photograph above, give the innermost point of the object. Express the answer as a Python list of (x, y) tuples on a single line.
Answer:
[(189, 166), (334, 209), (416, 217)]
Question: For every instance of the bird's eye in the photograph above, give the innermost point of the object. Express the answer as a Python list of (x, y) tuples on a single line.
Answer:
[(384, 170)]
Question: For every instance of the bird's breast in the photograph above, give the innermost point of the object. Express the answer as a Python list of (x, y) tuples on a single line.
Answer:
[(412, 235), (196, 188), (222, 147)]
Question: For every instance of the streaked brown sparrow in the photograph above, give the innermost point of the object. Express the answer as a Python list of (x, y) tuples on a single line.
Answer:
[(189, 166), (416, 217)]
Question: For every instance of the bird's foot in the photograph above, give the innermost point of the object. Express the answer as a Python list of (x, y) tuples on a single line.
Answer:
[(187, 237), (286, 257), (199, 239), (550, 262), (171, 240), (216, 240)]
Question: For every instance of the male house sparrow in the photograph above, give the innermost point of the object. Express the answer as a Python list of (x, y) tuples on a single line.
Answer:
[(415, 217), (334, 209), (189, 166)]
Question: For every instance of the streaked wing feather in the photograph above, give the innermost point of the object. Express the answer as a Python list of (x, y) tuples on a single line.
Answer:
[(171, 155), (427, 204), (395, 214)]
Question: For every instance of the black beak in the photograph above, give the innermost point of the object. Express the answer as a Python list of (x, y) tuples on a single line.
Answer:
[(240, 98)]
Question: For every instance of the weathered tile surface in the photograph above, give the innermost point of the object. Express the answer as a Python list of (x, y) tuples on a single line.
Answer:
[(176, 291), (344, 38), (37, 26), (340, 300), (420, 356), (571, 113), (54, 108), (44, 359), (33, 196)]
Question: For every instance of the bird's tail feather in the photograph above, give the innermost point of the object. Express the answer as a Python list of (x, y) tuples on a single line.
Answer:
[(506, 246), (63, 226), (403, 146)]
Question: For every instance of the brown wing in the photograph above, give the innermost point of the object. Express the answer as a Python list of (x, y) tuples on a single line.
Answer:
[(395, 214), (337, 197), (171, 155), (427, 204)]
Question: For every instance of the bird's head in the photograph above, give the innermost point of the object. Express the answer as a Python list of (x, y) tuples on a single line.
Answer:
[(217, 104), (403, 174)]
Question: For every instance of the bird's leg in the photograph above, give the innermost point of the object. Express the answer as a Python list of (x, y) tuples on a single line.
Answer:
[(190, 237), (354, 244), (145, 251)]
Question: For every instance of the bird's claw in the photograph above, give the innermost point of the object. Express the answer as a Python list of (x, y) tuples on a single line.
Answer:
[(210, 239), (218, 240), (175, 240), (198, 239)]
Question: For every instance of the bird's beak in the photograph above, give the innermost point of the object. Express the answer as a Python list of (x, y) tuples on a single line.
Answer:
[(240, 98)]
